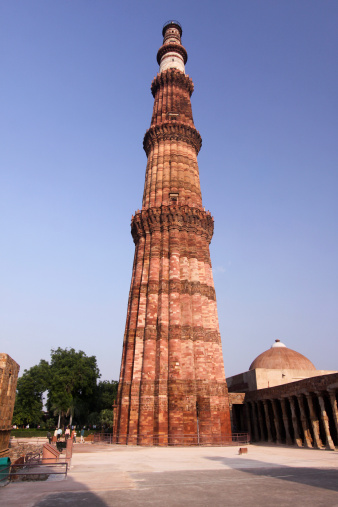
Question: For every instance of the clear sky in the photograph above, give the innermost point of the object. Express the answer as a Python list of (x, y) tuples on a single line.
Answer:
[(75, 104)]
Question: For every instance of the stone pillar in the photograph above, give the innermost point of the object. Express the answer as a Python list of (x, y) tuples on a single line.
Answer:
[(333, 401), (247, 409), (276, 421), (267, 420), (325, 419), (314, 423), (298, 440), (255, 420), (286, 422), (260, 421), (304, 421)]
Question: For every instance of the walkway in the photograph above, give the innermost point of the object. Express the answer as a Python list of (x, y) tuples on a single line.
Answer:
[(106, 475)]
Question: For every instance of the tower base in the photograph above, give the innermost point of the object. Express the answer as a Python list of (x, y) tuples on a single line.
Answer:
[(177, 412)]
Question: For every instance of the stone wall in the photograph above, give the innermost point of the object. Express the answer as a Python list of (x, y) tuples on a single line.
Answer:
[(303, 413), (262, 378), (9, 371)]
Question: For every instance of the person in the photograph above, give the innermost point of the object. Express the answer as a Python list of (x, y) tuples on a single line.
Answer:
[(59, 433), (82, 436), (67, 433), (49, 436), (56, 433), (73, 435)]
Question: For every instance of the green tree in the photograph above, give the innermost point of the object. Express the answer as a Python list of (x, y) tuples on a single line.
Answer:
[(94, 419), (73, 392), (106, 418), (105, 397), (106, 393), (30, 388), (72, 387)]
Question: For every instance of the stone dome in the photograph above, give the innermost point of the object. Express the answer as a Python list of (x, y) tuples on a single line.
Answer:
[(280, 357)]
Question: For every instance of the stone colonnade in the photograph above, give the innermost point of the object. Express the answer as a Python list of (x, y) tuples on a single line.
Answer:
[(291, 414)]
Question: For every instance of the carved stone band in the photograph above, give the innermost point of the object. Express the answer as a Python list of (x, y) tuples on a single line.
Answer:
[(182, 218), (173, 132), (173, 77), (177, 48)]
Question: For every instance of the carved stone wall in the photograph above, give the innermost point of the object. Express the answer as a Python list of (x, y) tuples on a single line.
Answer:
[(9, 371)]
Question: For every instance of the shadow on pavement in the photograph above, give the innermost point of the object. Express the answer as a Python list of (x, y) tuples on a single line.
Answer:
[(326, 478), (51, 494), (71, 498)]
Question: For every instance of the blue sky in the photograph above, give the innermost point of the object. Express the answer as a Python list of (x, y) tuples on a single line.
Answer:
[(76, 103)]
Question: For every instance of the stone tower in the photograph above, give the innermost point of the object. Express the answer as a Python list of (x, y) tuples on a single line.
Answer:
[(172, 386)]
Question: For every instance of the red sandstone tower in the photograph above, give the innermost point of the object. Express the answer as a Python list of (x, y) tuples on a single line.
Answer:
[(172, 386)]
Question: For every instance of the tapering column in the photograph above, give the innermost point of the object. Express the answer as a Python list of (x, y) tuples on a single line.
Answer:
[(255, 420), (333, 401), (298, 440), (286, 422), (250, 429), (276, 421), (267, 420), (325, 419), (172, 387), (304, 421), (260, 421), (314, 423)]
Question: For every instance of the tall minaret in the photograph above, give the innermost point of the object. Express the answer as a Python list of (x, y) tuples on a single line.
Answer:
[(172, 386)]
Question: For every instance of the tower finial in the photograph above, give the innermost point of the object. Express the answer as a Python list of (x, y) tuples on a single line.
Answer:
[(172, 23), (172, 54)]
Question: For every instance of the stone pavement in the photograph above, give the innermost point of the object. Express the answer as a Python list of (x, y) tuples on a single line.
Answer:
[(107, 475)]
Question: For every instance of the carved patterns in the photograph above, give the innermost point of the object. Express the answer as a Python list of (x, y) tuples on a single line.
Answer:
[(176, 48), (174, 286), (172, 132), (172, 77), (166, 218)]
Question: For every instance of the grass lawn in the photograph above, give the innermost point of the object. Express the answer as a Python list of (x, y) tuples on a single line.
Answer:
[(34, 433)]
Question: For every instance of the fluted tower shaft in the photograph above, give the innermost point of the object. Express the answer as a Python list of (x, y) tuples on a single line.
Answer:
[(172, 386)]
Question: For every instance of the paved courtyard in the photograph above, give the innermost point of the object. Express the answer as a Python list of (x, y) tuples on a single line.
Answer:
[(107, 475)]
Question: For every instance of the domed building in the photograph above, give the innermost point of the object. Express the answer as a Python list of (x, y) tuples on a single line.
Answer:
[(283, 398), (275, 366), (280, 357)]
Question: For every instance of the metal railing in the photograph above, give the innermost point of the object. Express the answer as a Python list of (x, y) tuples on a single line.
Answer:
[(193, 440), (103, 437), (177, 440), (172, 21), (26, 471)]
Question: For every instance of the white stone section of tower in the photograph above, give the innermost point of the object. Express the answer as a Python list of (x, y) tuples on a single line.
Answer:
[(172, 60)]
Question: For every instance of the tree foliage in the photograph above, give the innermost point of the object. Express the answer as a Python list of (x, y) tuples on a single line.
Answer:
[(106, 393), (73, 390), (30, 388), (73, 377), (106, 418)]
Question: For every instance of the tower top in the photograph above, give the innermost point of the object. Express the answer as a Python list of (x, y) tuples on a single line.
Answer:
[(172, 23), (172, 54)]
